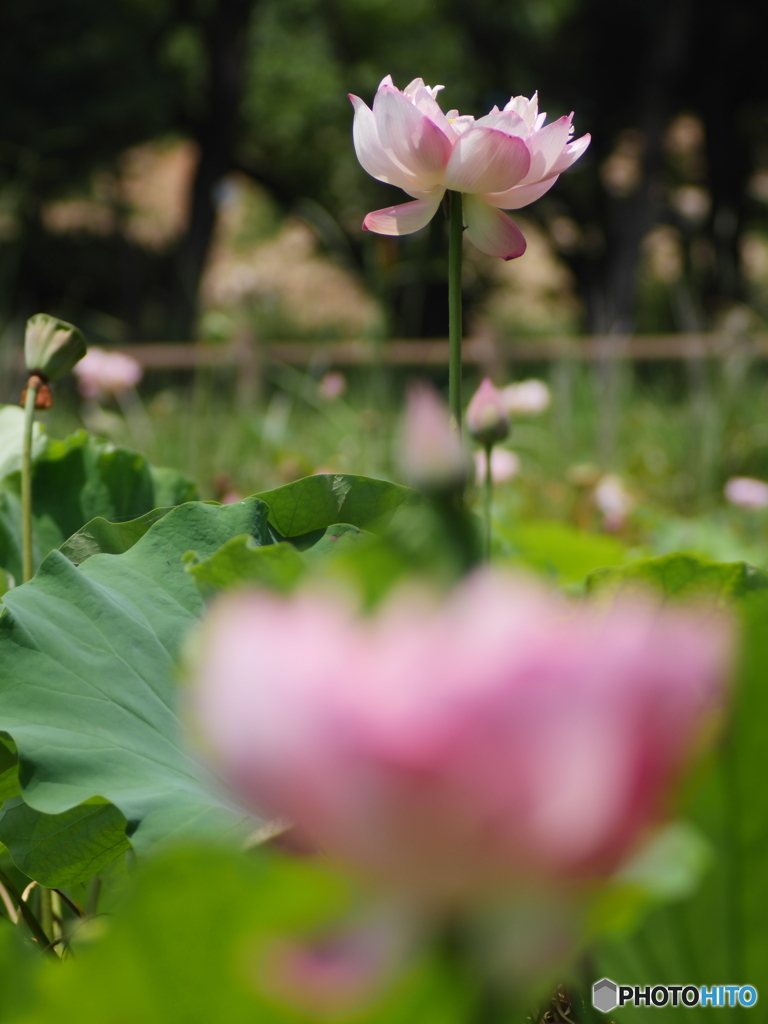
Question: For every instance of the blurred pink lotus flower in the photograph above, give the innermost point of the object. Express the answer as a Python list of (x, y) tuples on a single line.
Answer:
[(431, 456), (746, 492), (332, 385), (487, 418), (101, 373), (502, 737), (527, 397), (614, 501), (502, 161), (505, 465)]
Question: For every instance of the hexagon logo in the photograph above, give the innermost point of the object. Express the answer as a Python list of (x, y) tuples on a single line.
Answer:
[(605, 995)]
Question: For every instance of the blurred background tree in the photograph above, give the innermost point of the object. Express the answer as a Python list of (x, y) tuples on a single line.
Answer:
[(238, 91)]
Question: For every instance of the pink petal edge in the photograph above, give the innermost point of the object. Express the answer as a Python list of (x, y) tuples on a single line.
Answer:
[(403, 219), (492, 231)]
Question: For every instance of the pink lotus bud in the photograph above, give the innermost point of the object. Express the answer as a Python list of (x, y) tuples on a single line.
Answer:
[(432, 456), (498, 739), (487, 418), (746, 492), (101, 373)]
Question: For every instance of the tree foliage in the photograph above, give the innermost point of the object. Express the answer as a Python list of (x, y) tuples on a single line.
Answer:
[(260, 86)]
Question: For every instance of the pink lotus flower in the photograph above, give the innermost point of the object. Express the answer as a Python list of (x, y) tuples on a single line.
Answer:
[(502, 737), (101, 373), (502, 161), (747, 492)]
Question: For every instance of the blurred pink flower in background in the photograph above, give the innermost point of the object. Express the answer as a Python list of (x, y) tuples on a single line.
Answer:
[(613, 499), (505, 465), (431, 454), (746, 492), (502, 161), (450, 748), (527, 397), (101, 373), (332, 385)]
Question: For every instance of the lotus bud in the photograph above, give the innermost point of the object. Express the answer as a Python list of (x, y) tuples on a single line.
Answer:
[(487, 418), (432, 456), (51, 346)]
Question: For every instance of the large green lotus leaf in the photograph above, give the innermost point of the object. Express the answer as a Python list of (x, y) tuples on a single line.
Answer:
[(76, 480), (340, 537), (315, 502), (683, 576), (170, 487), (87, 662), (9, 769), (64, 849), (560, 549), (201, 939), (239, 562), (100, 536)]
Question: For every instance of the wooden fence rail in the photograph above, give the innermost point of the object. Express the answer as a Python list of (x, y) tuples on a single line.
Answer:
[(485, 351)]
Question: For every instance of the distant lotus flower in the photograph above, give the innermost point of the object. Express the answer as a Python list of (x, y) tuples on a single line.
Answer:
[(502, 161), (505, 465), (332, 385), (431, 454), (487, 418), (527, 397), (101, 373), (746, 492), (613, 500), (449, 750)]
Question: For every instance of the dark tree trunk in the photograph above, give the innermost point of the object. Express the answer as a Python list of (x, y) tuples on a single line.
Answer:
[(630, 219), (225, 32)]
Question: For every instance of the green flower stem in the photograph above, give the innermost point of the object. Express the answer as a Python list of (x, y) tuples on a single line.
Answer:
[(46, 912), (487, 499), (26, 481), (27, 571), (92, 899), (29, 918), (455, 238)]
